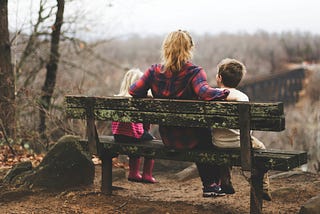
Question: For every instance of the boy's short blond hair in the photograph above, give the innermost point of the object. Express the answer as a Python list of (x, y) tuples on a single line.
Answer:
[(231, 71)]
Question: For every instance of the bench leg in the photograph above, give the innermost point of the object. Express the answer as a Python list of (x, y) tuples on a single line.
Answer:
[(256, 190), (106, 180)]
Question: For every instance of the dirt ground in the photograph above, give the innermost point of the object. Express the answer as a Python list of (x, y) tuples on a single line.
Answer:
[(168, 196)]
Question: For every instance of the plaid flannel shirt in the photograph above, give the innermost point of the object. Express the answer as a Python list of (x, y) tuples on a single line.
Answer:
[(190, 83)]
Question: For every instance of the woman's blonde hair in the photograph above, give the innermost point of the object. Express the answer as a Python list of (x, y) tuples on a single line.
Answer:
[(176, 50), (129, 78)]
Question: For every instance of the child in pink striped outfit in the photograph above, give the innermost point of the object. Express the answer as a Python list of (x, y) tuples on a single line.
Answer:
[(134, 133)]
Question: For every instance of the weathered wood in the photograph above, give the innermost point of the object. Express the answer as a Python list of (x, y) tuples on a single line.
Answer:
[(264, 116), (280, 160), (256, 188), (91, 131), (272, 159), (91, 136), (173, 106), (106, 178), (190, 120), (245, 138)]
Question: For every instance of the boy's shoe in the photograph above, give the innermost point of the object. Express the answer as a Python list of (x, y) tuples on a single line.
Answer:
[(214, 190), (228, 189)]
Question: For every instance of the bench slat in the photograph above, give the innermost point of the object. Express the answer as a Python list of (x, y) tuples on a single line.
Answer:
[(187, 120), (173, 106), (188, 113), (273, 159)]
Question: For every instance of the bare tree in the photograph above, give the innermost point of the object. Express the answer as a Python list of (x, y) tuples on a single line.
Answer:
[(31, 54), (7, 82), (52, 67)]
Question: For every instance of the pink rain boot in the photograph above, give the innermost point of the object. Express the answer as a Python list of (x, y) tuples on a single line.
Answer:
[(147, 172), (134, 170)]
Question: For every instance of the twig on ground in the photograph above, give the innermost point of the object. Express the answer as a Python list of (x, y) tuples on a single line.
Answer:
[(121, 206)]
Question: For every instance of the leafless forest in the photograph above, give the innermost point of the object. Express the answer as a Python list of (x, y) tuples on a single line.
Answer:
[(53, 54)]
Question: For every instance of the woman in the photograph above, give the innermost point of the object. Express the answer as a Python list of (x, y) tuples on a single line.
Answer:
[(178, 78)]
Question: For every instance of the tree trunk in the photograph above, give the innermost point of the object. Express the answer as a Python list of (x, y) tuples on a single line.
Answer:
[(7, 81), (52, 66)]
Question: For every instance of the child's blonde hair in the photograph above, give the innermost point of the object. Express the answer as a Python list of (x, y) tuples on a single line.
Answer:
[(129, 78), (176, 50)]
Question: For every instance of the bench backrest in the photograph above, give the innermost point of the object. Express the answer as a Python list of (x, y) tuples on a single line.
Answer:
[(244, 116), (189, 113)]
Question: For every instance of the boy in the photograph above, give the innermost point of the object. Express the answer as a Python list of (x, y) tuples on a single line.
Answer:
[(229, 74)]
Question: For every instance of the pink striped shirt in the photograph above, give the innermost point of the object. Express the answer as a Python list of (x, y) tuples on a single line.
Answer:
[(134, 130)]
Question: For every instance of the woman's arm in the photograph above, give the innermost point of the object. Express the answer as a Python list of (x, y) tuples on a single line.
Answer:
[(204, 91), (140, 88)]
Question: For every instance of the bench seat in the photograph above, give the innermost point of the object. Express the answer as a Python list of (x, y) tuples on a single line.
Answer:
[(273, 159)]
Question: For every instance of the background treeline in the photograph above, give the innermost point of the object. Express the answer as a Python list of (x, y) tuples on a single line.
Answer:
[(263, 53), (97, 68)]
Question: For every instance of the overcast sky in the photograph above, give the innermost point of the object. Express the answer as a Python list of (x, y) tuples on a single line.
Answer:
[(144, 17)]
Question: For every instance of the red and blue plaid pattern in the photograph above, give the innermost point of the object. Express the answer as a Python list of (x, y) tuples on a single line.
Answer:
[(190, 83)]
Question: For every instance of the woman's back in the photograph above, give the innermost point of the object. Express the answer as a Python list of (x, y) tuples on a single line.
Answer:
[(178, 78)]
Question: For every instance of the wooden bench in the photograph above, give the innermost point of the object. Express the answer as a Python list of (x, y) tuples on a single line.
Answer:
[(244, 116)]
